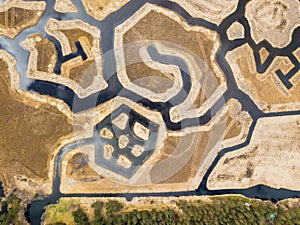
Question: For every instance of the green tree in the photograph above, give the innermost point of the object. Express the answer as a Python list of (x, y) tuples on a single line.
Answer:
[(113, 206), (80, 218)]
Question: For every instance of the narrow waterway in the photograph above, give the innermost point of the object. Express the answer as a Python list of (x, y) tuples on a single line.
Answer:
[(2, 194), (1, 190), (36, 208)]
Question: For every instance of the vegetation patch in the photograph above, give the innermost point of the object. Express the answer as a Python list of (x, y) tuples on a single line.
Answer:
[(217, 210)]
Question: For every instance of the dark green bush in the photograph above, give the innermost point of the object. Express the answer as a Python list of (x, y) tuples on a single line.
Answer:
[(80, 218), (113, 206)]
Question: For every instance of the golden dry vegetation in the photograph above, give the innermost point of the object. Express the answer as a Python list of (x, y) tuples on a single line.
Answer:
[(266, 90), (46, 55), (79, 169), (102, 8), (15, 20), (27, 134), (156, 26), (84, 72)]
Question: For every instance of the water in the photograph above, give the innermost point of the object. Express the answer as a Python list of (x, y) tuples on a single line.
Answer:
[(36, 209), (2, 194), (1, 190)]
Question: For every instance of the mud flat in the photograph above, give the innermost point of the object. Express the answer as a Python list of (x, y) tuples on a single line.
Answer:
[(271, 158)]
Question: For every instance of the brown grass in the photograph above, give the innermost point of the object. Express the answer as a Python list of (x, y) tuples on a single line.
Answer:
[(234, 130), (266, 90), (18, 19), (78, 171), (27, 134), (84, 74), (191, 167), (46, 55), (73, 35), (156, 26)]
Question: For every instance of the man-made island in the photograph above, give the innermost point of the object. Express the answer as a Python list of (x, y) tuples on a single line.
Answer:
[(117, 108)]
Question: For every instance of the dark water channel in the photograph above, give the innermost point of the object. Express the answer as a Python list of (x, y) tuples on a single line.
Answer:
[(36, 208), (1, 190), (2, 194)]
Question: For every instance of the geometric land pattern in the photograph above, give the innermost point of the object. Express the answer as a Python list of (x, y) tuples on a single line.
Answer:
[(279, 66), (134, 147)]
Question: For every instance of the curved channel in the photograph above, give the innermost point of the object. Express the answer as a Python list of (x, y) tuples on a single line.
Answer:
[(107, 26)]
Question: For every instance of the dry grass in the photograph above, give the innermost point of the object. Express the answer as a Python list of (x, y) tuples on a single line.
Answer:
[(234, 129), (148, 78), (46, 55), (84, 74), (102, 8), (191, 167), (156, 26), (79, 169), (274, 147), (73, 35), (15, 19), (266, 90), (27, 134)]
